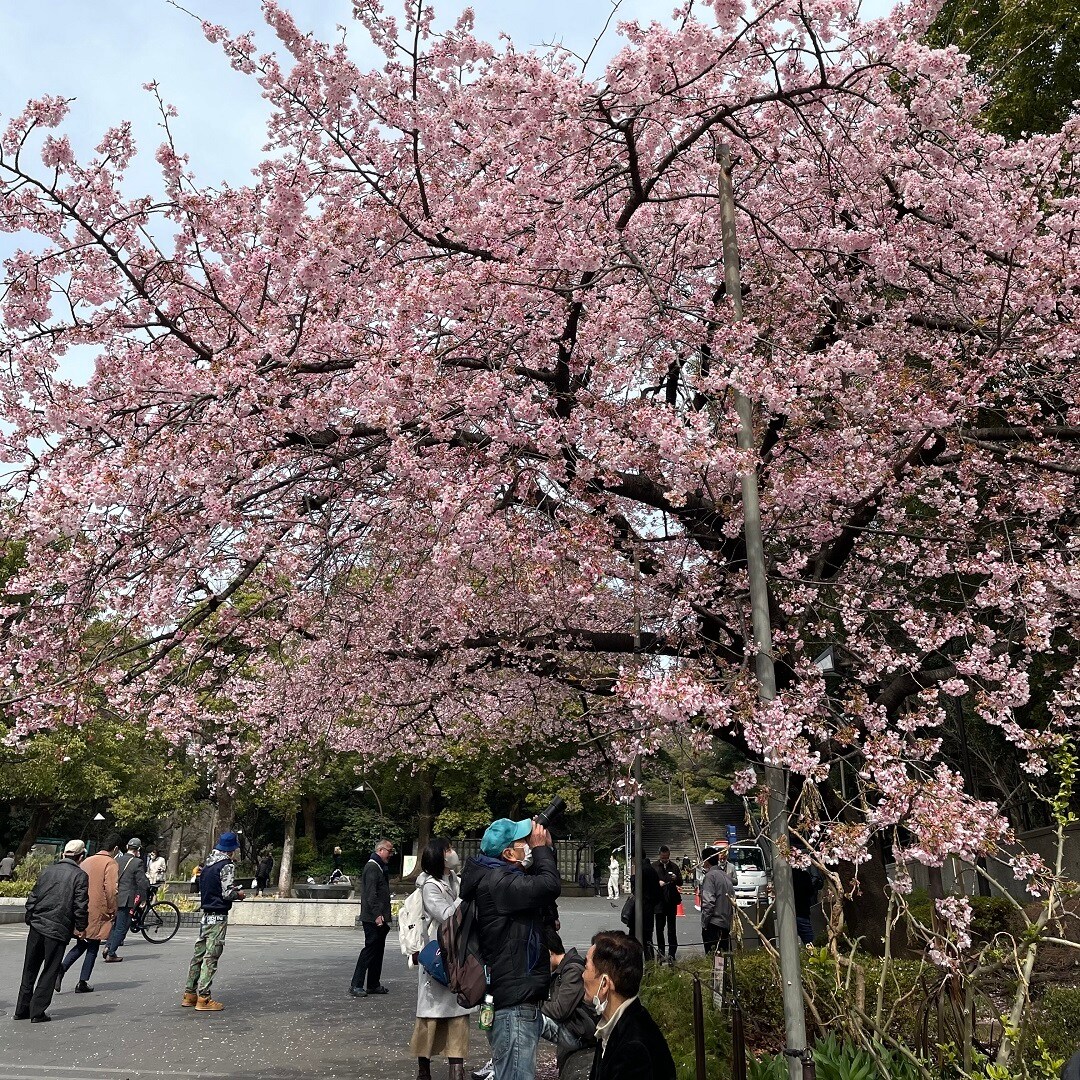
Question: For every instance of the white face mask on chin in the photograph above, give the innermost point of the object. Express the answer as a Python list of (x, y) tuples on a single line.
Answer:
[(527, 858), (598, 1005), (452, 860)]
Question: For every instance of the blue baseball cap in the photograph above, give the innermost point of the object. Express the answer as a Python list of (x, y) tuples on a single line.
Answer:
[(227, 841), (502, 833)]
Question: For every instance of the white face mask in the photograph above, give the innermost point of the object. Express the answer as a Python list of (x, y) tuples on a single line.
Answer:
[(598, 1005), (452, 860), (526, 858)]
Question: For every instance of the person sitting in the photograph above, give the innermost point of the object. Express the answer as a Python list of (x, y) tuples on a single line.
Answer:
[(629, 1045), (569, 1022)]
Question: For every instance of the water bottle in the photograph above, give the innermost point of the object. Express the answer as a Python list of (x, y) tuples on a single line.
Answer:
[(487, 1014)]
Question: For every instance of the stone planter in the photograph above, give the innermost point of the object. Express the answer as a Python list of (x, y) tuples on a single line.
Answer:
[(12, 909), (322, 892)]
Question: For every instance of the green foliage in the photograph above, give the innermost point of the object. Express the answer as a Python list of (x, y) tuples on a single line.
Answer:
[(304, 855), (1026, 53), (759, 993), (18, 887), (836, 1060), (1056, 1020), (363, 829), (990, 915), (668, 994)]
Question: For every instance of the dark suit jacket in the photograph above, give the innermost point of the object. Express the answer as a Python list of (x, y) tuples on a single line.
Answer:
[(636, 1050)]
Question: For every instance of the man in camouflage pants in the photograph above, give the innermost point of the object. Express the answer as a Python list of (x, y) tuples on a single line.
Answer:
[(217, 886)]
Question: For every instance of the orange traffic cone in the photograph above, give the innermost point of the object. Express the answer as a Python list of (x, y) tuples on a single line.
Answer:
[(679, 910)]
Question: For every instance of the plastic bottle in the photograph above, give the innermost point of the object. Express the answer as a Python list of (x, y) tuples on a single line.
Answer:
[(487, 1014)]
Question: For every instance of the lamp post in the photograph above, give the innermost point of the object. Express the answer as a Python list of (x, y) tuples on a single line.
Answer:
[(86, 828), (378, 802)]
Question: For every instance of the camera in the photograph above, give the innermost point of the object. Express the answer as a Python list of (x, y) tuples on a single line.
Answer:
[(552, 814)]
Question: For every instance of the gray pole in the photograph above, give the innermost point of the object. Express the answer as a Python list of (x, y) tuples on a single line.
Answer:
[(639, 827), (787, 937)]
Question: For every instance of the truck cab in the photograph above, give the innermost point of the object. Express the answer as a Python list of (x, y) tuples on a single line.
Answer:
[(749, 874)]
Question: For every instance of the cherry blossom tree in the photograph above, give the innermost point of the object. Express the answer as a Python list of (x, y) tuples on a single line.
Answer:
[(426, 436)]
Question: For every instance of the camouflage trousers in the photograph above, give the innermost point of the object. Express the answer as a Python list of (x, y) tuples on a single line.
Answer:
[(204, 963)]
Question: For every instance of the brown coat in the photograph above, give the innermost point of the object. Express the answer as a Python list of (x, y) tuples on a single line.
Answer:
[(104, 875)]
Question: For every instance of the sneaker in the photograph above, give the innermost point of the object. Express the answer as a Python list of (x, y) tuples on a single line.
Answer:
[(84, 988), (208, 1004), (357, 991), (485, 1073), (377, 990), (189, 999), (114, 959)]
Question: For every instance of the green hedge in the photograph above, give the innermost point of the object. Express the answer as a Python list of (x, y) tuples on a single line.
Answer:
[(668, 994), (15, 888)]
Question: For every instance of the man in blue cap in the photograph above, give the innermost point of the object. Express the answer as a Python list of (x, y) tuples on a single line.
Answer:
[(217, 887), (513, 883)]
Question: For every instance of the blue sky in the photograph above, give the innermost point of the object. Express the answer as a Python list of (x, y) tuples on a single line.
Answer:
[(102, 52)]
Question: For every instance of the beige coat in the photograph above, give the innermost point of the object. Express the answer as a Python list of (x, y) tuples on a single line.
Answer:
[(104, 875)]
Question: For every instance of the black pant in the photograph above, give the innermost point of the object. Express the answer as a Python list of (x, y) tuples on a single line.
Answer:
[(666, 918), (713, 936), (370, 960), (43, 954)]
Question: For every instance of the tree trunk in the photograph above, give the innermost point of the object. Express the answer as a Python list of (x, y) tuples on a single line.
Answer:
[(287, 848), (225, 816), (38, 820), (425, 818), (866, 915), (176, 839), (308, 805)]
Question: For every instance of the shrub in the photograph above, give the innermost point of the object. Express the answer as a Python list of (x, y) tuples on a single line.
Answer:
[(304, 855), (668, 994), (1056, 1019), (836, 1060), (18, 887), (992, 915)]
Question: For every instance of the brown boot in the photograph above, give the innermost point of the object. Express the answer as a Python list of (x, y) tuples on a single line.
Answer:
[(208, 1004), (189, 999), (457, 1070)]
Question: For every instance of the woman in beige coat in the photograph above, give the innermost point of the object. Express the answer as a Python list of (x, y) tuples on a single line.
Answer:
[(104, 877)]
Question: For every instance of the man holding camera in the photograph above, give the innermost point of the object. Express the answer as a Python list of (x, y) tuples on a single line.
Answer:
[(513, 883)]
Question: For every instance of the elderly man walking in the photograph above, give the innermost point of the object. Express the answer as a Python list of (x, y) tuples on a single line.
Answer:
[(375, 916), (56, 908), (102, 875)]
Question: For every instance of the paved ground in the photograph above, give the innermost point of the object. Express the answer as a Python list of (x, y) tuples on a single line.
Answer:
[(288, 1014)]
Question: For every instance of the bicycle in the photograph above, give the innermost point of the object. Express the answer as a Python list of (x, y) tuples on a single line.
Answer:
[(157, 921)]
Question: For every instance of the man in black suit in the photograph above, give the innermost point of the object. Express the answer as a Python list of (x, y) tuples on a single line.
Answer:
[(629, 1045)]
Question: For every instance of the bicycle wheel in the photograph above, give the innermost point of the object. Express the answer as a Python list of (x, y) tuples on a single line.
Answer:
[(160, 922)]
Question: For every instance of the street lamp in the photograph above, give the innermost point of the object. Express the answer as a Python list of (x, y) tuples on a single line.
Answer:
[(86, 828), (378, 802)]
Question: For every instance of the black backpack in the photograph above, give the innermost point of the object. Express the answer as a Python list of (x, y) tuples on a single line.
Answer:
[(459, 942)]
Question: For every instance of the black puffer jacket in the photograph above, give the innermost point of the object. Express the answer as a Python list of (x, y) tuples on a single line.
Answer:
[(510, 907), (59, 902)]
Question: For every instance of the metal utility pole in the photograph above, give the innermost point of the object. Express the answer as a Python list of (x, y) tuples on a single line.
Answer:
[(639, 825), (787, 938)]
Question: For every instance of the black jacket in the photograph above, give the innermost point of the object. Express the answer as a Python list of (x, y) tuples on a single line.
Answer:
[(374, 891), (133, 880), (510, 905), (566, 1003), (636, 1050), (58, 903), (669, 890)]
